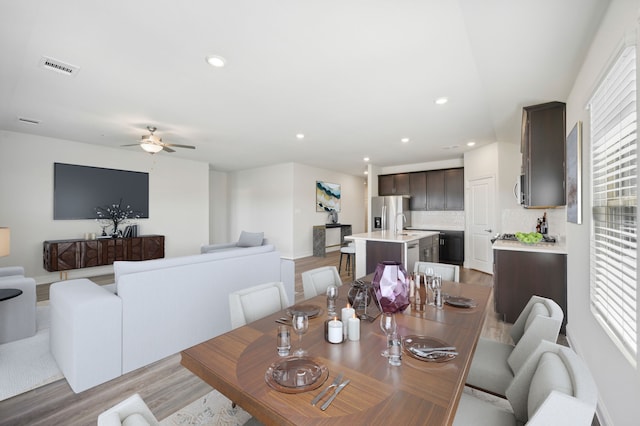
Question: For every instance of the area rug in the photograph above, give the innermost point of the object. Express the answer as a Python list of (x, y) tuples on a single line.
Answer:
[(27, 363), (212, 409)]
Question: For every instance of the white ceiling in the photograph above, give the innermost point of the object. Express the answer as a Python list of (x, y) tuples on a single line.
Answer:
[(355, 76)]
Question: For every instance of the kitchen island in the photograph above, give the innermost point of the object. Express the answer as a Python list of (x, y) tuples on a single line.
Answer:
[(378, 246)]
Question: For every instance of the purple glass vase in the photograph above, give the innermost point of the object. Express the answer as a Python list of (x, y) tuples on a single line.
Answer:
[(391, 287)]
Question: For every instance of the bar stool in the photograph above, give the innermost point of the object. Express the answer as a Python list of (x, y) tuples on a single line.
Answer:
[(350, 252)]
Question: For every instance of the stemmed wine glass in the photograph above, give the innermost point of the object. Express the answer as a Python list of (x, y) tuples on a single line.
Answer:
[(388, 326), (300, 324)]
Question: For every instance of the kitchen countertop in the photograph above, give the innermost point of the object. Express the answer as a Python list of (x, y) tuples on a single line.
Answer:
[(557, 248), (392, 237)]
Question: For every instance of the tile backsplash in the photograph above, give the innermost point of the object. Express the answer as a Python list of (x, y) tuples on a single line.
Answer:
[(437, 219), (524, 220)]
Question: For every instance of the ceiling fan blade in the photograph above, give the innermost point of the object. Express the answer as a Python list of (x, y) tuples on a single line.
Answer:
[(166, 148), (132, 144), (180, 146)]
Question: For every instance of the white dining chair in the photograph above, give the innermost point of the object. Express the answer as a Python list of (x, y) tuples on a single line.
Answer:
[(495, 363), (553, 387), (130, 412), (447, 271), (316, 281), (253, 303)]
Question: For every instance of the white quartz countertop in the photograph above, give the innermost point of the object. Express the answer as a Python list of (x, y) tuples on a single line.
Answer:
[(558, 248), (392, 237)]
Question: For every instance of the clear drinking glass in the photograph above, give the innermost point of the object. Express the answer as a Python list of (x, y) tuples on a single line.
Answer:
[(283, 340), (332, 295), (388, 326), (428, 280), (300, 323), (394, 348)]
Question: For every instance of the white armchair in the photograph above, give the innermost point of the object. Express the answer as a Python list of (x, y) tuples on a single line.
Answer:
[(553, 387), (17, 315), (316, 281), (495, 364)]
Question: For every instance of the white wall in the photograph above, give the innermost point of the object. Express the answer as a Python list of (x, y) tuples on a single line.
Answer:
[(279, 200), (178, 198), (218, 208), (352, 211), (618, 382)]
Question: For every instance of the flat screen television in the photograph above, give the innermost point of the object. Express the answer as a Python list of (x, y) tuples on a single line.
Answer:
[(78, 190)]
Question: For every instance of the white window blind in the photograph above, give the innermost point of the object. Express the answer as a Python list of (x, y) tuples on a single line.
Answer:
[(614, 180)]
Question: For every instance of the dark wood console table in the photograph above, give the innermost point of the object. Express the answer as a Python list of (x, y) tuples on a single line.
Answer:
[(63, 255)]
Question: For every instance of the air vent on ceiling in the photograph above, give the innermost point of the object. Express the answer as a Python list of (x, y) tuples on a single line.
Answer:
[(58, 66), (28, 120)]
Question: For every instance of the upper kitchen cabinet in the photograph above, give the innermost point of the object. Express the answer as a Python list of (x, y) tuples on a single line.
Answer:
[(418, 191), (445, 189), (543, 154), (397, 184)]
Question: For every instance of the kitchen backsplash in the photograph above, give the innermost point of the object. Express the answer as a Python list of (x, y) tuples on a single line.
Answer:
[(437, 219), (524, 220)]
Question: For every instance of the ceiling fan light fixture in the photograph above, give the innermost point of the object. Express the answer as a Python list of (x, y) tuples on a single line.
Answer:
[(151, 147), (216, 61)]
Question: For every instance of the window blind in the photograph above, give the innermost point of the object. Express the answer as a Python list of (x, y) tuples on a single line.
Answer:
[(613, 251)]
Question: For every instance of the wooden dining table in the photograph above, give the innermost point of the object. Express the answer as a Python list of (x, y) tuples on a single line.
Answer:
[(416, 393)]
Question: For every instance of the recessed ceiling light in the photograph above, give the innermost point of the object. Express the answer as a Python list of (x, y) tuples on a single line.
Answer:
[(216, 61), (366, 158), (404, 140), (471, 143), (442, 101), (300, 136), (366, 172)]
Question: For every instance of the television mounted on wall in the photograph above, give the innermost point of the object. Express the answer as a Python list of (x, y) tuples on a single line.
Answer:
[(78, 190)]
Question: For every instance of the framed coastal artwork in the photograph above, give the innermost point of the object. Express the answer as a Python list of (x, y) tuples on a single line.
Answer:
[(327, 196), (574, 174)]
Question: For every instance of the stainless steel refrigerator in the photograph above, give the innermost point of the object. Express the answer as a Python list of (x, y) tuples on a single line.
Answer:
[(390, 213)]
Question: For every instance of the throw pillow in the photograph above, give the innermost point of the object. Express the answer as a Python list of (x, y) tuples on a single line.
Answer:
[(250, 239)]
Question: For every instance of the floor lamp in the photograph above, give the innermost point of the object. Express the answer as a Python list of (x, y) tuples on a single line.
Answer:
[(5, 241)]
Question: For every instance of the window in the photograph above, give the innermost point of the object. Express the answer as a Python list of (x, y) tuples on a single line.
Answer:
[(613, 254)]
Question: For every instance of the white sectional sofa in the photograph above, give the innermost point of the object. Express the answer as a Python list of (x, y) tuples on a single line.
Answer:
[(156, 308)]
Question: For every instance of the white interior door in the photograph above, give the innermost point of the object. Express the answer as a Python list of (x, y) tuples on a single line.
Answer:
[(482, 223)]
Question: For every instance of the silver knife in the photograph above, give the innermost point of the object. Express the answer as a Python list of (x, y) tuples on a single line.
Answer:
[(337, 391), (335, 383)]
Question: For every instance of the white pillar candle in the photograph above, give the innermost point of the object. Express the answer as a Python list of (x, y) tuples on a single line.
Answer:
[(354, 329), (347, 313), (335, 331)]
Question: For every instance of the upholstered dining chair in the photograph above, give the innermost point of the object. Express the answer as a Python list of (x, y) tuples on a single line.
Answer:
[(447, 271), (495, 364), (256, 302), (130, 412), (316, 281), (553, 387)]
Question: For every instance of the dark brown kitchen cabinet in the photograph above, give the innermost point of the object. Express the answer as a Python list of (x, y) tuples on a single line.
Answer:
[(543, 154), (518, 275), (418, 191), (445, 189), (397, 184), (63, 255)]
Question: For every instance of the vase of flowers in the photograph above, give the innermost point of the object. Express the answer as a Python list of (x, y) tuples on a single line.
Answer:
[(116, 215)]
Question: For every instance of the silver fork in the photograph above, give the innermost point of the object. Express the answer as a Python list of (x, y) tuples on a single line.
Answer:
[(335, 383)]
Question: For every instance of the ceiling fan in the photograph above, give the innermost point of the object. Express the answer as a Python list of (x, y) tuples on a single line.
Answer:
[(153, 144)]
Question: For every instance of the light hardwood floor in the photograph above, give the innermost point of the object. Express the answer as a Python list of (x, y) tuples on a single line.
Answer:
[(165, 385)]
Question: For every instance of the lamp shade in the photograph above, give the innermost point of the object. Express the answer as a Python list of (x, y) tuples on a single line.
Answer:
[(5, 240)]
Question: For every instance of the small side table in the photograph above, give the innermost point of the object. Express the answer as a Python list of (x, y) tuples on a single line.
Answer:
[(9, 293)]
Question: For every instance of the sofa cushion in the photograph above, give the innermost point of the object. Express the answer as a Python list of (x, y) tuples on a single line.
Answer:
[(250, 239), (551, 375)]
